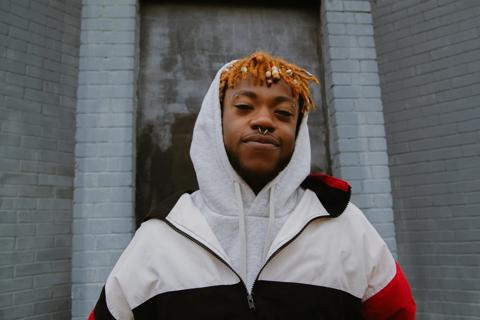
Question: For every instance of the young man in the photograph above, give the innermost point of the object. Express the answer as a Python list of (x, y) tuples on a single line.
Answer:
[(261, 238)]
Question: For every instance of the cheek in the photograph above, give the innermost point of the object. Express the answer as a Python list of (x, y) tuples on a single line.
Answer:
[(228, 134)]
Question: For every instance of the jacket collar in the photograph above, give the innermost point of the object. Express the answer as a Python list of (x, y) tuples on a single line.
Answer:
[(333, 193)]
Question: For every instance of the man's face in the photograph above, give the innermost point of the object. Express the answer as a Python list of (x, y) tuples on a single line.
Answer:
[(247, 108)]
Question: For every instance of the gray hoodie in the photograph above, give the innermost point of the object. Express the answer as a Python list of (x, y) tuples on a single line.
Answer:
[(245, 224)]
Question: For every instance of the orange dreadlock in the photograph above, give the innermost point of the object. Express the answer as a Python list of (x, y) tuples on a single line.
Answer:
[(262, 67)]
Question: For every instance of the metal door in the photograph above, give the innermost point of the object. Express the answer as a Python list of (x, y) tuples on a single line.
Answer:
[(182, 46)]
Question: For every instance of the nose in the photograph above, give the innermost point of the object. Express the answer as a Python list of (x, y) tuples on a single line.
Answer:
[(262, 119)]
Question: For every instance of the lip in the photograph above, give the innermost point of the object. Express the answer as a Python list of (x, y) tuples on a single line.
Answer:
[(261, 140)]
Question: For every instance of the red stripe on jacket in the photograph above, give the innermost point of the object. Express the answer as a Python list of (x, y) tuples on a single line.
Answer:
[(394, 302)]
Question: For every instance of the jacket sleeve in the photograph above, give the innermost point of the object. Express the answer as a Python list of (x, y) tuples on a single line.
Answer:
[(116, 306), (393, 302), (387, 295)]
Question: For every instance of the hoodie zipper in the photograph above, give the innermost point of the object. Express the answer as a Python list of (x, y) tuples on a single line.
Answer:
[(251, 302), (283, 246)]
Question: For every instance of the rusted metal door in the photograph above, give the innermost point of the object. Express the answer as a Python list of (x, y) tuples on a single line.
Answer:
[(182, 46)]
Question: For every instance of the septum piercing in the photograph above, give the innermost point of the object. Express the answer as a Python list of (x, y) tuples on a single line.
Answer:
[(262, 132)]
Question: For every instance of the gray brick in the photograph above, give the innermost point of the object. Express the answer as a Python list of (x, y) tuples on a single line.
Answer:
[(105, 180), (8, 216), (346, 66), (368, 66), (6, 300), (332, 5), (22, 128), (11, 258), (8, 191), (362, 53), (13, 43), (63, 241), (376, 186), (49, 280), (83, 242), (63, 290), (343, 105), (120, 11), (52, 229), (357, 6), (7, 244), (13, 20), (57, 204), (52, 306), (340, 17), (36, 242), (15, 284), (6, 272), (9, 165), (20, 104), (105, 120), (55, 180), (110, 50), (359, 29), (342, 41), (16, 312), (95, 259), (34, 191), (114, 241), (355, 173), (33, 295), (79, 306), (91, 275), (17, 229), (103, 210), (6, 204), (371, 92), (366, 41), (337, 28), (103, 149), (105, 105), (364, 18)]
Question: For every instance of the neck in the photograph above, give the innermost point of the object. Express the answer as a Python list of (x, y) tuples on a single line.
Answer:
[(256, 183)]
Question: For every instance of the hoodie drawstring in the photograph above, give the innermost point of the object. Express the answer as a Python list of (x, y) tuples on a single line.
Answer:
[(243, 233), (271, 220)]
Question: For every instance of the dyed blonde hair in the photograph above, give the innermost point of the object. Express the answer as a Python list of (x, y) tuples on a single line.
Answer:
[(264, 68)]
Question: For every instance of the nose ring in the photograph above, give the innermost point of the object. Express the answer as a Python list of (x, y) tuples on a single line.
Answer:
[(262, 132)]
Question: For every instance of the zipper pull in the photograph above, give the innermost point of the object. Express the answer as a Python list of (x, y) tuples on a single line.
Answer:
[(251, 305)]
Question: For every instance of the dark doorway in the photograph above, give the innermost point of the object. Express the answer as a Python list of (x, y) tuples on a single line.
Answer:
[(182, 45)]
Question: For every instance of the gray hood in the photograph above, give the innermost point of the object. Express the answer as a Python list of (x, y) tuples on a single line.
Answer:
[(217, 178)]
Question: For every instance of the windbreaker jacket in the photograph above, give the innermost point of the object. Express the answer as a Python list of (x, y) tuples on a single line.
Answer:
[(327, 262), (324, 261)]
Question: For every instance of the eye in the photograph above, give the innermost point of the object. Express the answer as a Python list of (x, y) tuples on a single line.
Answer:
[(243, 106), (284, 113)]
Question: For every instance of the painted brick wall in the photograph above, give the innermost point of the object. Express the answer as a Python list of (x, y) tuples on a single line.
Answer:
[(358, 143), (38, 80), (103, 218), (429, 57)]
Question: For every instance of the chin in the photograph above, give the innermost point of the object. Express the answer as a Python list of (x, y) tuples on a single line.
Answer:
[(261, 171)]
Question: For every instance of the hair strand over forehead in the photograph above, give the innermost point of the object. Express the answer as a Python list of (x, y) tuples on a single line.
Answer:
[(264, 68)]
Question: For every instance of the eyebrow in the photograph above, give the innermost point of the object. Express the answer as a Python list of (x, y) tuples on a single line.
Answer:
[(253, 95), (247, 93)]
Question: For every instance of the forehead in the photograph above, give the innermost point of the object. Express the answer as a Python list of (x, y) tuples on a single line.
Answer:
[(280, 88)]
